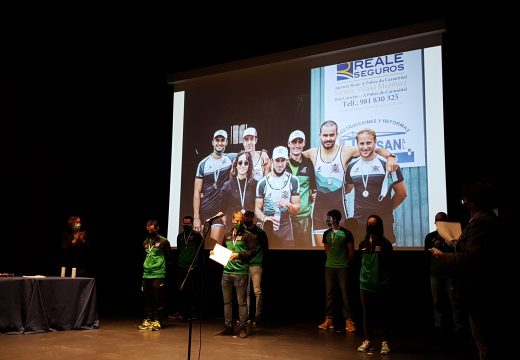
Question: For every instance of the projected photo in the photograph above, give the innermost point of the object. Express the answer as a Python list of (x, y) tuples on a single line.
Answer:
[(291, 141)]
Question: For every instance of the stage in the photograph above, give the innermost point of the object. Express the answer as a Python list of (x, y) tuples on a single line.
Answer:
[(119, 338)]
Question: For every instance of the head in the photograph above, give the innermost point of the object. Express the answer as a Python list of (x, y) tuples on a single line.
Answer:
[(249, 139), (375, 226), (280, 157), (366, 143), (441, 216), (238, 220), (478, 196), (152, 226), (249, 218), (242, 165), (74, 223), (296, 143), (187, 223), (328, 134), (333, 217), (219, 142)]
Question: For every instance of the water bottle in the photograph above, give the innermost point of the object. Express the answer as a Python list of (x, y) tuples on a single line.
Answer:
[(277, 216)]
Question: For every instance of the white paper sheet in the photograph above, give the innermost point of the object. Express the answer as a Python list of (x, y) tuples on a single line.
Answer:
[(220, 254)]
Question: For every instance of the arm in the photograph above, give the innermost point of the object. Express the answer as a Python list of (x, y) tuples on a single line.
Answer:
[(197, 188), (391, 161), (400, 193), (348, 188), (259, 212), (266, 162), (294, 206)]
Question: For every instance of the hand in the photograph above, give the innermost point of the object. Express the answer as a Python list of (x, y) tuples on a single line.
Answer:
[(436, 252), (391, 164), (196, 225)]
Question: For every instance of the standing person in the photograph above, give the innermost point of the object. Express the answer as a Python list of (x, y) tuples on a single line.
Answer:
[(338, 244), (303, 169), (238, 193), (243, 245), (374, 282), (188, 245), (373, 184), (277, 196), (211, 174), (256, 267), (444, 296), (157, 256), (330, 162), (261, 163), (75, 248), (477, 271)]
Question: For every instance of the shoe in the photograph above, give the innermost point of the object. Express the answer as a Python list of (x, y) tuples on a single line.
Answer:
[(350, 326), (243, 333), (327, 324), (364, 346), (228, 330), (146, 325), (156, 325), (385, 349), (258, 320)]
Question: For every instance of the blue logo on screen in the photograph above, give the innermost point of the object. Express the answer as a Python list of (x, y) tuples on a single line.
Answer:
[(344, 71)]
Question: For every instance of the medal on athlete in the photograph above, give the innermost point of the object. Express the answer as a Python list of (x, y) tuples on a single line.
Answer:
[(215, 186), (365, 193)]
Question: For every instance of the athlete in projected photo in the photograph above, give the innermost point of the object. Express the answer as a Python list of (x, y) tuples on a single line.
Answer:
[(212, 173), (261, 164), (277, 197), (330, 161), (373, 185)]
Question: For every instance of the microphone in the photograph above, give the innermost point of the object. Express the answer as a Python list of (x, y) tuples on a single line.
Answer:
[(219, 215)]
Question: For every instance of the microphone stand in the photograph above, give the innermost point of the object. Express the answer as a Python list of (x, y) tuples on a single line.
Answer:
[(190, 320)]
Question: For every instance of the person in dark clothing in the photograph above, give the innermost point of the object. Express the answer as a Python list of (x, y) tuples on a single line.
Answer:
[(476, 270), (374, 282), (157, 256), (76, 249)]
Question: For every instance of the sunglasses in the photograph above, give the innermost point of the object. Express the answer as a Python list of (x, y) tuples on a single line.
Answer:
[(245, 163)]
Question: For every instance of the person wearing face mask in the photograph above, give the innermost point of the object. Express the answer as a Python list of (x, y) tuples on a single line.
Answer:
[(188, 244), (243, 247), (157, 251), (374, 282), (256, 268), (338, 244), (75, 249)]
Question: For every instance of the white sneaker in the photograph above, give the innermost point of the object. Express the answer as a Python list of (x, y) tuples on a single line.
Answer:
[(364, 347), (385, 349)]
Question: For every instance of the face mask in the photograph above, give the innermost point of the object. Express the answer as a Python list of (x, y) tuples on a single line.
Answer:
[(329, 222), (219, 152), (371, 229), (152, 233), (186, 227), (238, 226), (248, 223)]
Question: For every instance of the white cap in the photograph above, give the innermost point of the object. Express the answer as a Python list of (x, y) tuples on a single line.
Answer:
[(250, 131), (280, 152), (296, 134), (222, 133)]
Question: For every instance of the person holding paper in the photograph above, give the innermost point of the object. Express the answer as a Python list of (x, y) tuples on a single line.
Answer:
[(373, 185), (444, 296), (243, 246), (75, 248)]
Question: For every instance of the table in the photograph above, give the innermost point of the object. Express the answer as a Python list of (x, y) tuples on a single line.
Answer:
[(33, 305)]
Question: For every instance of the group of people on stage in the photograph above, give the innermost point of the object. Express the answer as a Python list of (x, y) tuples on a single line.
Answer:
[(293, 188)]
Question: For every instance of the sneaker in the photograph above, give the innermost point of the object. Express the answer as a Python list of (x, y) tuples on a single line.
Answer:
[(327, 324), (156, 325), (258, 320), (146, 325), (350, 326), (243, 333), (364, 347), (228, 330), (385, 349)]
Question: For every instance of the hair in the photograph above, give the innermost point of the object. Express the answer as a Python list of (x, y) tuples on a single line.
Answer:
[(329, 123), (152, 222), (366, 131), (335, 214), (234, 172), (249, 214), (379, 231), (72, 220), (237, 213), (189, 217), (480, 194), (442, 216)]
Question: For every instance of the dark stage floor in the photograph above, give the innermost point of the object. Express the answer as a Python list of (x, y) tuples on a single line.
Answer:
[(119, 338)]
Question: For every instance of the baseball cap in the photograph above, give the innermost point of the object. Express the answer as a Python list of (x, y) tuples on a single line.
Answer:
[(280, 152), (222, 133), (250, 131), (296, 134)]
